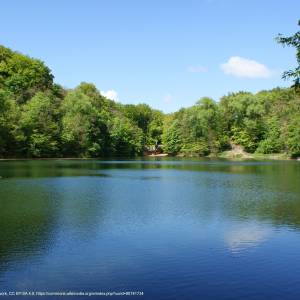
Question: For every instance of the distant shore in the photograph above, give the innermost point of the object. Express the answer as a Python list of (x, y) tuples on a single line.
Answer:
[(232, 154), (229, 155)]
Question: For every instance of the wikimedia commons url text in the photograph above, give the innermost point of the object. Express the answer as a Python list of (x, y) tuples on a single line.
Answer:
[(72, 294)]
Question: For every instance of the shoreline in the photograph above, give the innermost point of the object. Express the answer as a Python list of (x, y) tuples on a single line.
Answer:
[(227, 155)]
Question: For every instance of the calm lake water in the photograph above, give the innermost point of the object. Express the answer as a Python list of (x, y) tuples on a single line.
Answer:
[(173, 229)]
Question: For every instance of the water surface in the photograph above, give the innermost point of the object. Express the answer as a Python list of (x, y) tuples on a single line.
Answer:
[(173, 229)]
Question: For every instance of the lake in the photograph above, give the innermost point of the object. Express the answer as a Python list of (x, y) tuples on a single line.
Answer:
[(168, 228)]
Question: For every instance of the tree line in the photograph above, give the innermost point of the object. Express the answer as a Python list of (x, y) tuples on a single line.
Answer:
[(266, 122), (39, 118)]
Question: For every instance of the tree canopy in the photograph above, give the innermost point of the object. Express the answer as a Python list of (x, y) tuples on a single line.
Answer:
[(39, 118), (293, 41)]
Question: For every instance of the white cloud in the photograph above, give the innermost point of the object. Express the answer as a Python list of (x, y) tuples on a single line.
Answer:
[(246, 236), (243, 67), (196, 69), (168, 99), (110, 94)]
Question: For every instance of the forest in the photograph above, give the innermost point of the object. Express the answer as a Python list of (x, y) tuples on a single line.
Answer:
[(41, 119)]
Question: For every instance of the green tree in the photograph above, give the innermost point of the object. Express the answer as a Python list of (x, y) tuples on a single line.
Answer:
[(272, 141), (293, 138), (126, 138), (244, 114), (22, 75), (293, 41), (84, 122), (8, 121), (172, 142), (149, 120), (39, 124), (155, 128)]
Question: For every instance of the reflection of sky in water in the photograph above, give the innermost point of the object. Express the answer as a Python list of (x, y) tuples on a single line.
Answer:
[(177, 230), (244, 236)]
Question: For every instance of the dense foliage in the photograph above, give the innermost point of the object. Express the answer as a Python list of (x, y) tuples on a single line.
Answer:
[(41, 119), (292, 41), (266, 122)]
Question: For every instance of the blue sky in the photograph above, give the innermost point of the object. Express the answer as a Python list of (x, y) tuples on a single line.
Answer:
[(164, 53)]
